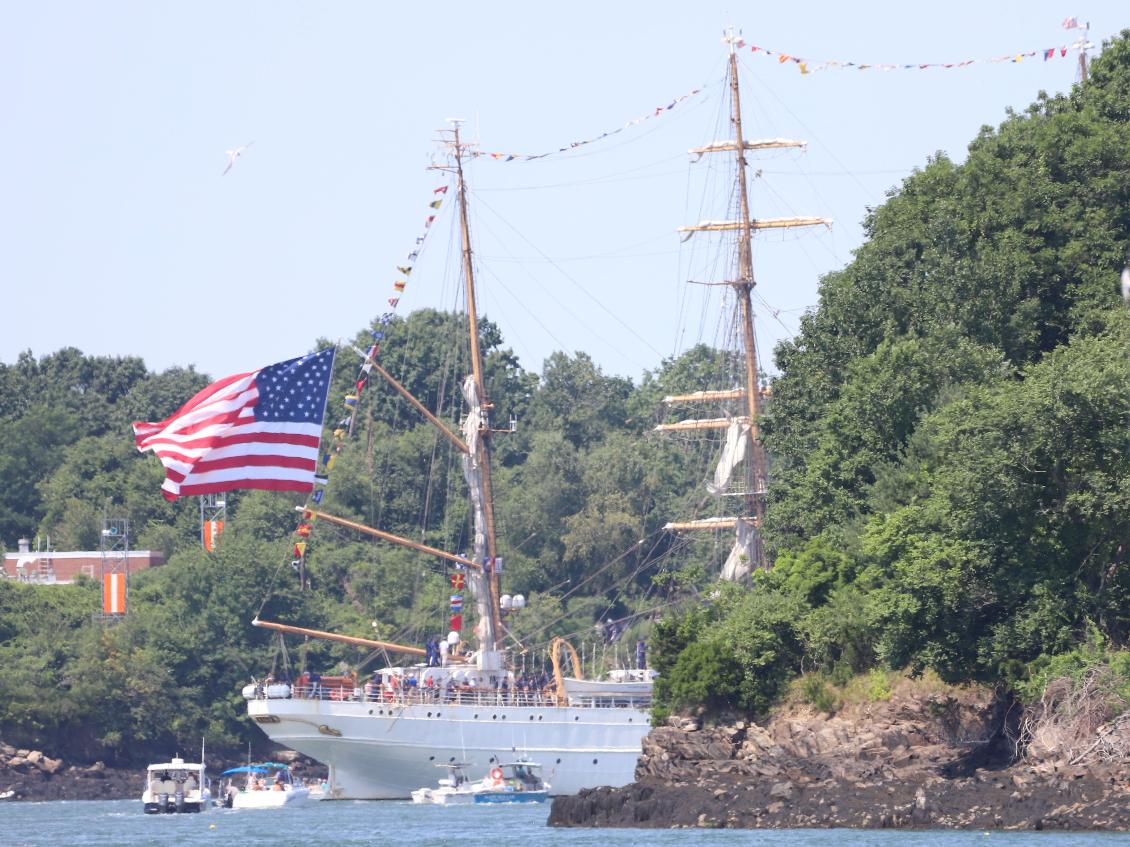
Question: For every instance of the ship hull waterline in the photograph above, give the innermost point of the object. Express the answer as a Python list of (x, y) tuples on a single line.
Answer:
[(385, 752)]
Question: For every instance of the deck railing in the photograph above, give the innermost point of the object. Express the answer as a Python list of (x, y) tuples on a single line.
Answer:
[(412, 696)]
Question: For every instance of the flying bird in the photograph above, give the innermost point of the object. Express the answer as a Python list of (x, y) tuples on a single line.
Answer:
[(235, 154)]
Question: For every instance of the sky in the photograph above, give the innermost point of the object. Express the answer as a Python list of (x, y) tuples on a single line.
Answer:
[(120, 234)]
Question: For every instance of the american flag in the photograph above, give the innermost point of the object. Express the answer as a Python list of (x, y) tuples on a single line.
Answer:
[(254, 430), (1071, 23)]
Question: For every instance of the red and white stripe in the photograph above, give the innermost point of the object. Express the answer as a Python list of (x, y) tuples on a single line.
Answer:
[(213, 444)]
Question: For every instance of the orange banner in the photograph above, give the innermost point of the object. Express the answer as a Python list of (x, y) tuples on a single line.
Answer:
[(114, 594)]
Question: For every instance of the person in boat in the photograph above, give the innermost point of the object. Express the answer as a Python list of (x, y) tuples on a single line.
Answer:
[(641, 655), (280, 780), (315, 685)]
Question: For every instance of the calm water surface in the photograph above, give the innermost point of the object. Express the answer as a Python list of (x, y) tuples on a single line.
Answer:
[(401, 824)]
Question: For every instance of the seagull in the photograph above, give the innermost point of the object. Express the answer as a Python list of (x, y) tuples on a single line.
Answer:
[(235, 154)]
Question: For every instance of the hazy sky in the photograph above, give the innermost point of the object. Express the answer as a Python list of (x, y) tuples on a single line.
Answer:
[(118, 234)]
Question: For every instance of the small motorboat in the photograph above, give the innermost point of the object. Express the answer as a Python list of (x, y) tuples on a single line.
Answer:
[(175, 787), (266, 785), (508, 782)]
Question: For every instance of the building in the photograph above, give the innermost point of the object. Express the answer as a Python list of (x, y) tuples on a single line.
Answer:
[(54, 567)]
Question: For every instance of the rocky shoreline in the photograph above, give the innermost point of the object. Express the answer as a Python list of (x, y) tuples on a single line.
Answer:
[(919, 759)]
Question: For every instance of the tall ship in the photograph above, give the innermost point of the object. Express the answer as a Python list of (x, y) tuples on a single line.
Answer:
[(383, 736)]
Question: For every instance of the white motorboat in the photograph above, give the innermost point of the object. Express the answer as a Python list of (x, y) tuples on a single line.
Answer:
[(508, 782), (267, 785), (175, 787)]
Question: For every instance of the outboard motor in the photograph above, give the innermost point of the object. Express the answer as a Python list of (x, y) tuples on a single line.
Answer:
[(164, 795), (180, 799)]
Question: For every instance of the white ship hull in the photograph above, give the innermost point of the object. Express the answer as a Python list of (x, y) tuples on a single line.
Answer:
[(379, 751)]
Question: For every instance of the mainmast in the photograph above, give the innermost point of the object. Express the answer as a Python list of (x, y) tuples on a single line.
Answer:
[(482, 564), (744, 430), (479, 436)]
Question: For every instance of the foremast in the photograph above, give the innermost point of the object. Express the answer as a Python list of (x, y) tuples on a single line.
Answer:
[(743, 431)]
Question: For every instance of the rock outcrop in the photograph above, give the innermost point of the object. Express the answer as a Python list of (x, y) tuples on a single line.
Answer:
[(33, 775), (919, 759)]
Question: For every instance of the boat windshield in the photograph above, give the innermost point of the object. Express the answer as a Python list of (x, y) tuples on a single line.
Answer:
[(525, 772)]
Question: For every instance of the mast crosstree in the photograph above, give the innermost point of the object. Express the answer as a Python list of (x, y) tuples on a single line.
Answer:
[(743, 431)]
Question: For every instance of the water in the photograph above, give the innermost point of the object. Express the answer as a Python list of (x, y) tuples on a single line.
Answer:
[(401, 824)]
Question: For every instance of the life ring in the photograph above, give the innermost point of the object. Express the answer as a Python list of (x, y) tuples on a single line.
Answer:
[(496, 774)]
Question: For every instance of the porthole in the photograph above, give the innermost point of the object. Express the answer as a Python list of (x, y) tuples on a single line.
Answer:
[(531, 717), (491, 759), (429, 714), (438, 714), (452, 759), (539, 717), (594, 761), (504, 717), (558, 761), (476, 716), (370, 711), (494, 717), (431, 758), (629, 720), (576, 717)]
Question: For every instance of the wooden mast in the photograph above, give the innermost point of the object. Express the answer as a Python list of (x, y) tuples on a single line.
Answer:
[(480, 388), (750, 394), (755, 489)]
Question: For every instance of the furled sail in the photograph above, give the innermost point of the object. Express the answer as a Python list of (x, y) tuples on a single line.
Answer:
[(472, 472), (740, 561), (734, 450)]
